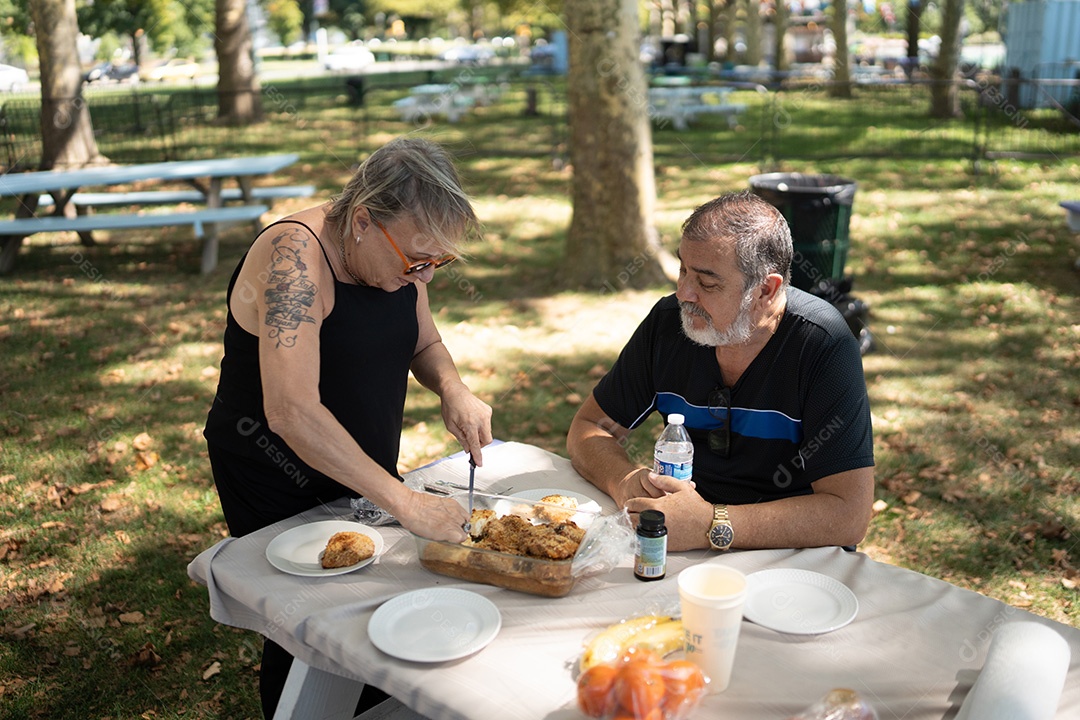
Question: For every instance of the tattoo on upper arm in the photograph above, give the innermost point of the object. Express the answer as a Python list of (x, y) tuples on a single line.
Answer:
[(290, 294)]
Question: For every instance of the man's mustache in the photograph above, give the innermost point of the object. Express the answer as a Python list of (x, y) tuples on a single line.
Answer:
[(692, 309)]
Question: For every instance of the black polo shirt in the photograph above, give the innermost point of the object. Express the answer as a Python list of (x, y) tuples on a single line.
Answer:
[(800, 412)]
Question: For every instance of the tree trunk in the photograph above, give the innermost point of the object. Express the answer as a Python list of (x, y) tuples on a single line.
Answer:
[(238, 87), (944, 98), (780, 25), (753, 32), (711, 22), (731, 21), (67, 135), (841, 85), (136, 48), (611, 242), (914, 14)]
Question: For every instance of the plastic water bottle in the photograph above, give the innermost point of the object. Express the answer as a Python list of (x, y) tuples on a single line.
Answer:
[(674, 453)]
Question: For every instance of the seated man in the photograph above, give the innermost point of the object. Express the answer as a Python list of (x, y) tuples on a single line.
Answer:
[(770, 381)]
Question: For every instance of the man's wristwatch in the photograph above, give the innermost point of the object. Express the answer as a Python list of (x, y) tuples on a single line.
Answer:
[(720, 533)]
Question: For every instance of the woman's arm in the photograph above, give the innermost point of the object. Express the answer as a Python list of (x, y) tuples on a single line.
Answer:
[(466, 417), (292, 299)]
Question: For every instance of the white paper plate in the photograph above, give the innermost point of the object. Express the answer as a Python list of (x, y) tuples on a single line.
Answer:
[(298, 551), (434, 624), (585, 503), (798, 602)]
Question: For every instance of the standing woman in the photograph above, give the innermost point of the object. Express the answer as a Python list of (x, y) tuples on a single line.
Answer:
[(327, 314)]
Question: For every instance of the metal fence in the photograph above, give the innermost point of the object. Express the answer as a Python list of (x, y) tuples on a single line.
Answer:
[(789, 120)]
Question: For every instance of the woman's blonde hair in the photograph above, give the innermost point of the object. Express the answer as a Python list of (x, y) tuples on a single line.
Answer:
[(409, 177)]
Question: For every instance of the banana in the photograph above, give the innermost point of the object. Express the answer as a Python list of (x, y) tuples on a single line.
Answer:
[(609, 645), (662, 638)]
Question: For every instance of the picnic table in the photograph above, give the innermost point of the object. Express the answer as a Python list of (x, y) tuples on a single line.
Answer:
[(914, 648), (74, 210), (681, 104), (430, 99)]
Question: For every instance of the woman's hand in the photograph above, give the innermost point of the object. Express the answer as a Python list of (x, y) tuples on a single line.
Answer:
[(433, 516), (468, 418)]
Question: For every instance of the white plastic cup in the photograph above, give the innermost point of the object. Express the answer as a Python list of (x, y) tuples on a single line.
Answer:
[(711, 597)]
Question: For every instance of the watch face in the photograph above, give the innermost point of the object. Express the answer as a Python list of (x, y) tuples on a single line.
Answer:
[(721, 536)]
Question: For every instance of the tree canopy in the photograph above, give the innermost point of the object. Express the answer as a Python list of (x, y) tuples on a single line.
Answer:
[(167, 25)]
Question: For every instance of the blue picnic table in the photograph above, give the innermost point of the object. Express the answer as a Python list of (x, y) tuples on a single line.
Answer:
[(73, 209)]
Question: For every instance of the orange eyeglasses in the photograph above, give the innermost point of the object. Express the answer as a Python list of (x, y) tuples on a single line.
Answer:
[(412, 267)]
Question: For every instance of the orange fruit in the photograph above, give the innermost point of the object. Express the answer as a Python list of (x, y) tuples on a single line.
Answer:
[(684, 684), (596, 691), (654, 714), (642, 653), (640, 687)]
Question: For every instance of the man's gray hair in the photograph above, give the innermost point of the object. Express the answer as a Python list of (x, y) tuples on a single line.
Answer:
[(759, 232), (409, 177)]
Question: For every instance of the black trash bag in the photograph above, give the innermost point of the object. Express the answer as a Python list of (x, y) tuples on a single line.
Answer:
[(856, 312)]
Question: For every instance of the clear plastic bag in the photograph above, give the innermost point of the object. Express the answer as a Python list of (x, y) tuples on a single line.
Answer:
[(369, 513), (641, 686), (838, 704), (608, 541)]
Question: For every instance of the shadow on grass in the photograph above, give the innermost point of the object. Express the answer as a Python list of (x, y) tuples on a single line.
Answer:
[(136, 633)]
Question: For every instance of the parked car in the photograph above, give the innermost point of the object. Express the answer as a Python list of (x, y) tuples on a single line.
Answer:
[(353, 56), (12, 78), (110, 72), (467, 54), (175, 69), (129, 72)]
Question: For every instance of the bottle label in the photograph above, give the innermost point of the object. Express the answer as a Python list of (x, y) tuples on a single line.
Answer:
[(651, 559), (679, 471)]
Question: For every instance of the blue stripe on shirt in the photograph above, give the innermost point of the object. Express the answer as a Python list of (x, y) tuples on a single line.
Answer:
[(764, 424)]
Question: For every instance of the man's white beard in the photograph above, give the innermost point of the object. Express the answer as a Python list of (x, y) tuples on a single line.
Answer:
[(737, 333)]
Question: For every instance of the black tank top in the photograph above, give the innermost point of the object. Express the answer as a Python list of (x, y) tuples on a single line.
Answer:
[(367, 344)]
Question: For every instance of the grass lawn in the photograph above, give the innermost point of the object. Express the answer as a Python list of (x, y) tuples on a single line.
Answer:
[(111, 353)]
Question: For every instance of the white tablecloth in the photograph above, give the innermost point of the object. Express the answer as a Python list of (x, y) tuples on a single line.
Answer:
[(913, 651)]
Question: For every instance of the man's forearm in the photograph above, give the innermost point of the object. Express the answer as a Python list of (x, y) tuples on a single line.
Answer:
[(599, 457)]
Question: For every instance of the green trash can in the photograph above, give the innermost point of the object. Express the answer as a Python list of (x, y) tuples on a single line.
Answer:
[(818, 210)]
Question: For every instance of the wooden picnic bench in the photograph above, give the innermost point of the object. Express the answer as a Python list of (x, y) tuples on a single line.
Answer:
[(73, 209)]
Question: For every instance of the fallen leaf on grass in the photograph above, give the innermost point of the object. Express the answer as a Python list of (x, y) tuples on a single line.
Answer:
[(146, 656), (54, 495), (111, 504), (142, 441), (131, 618), (953, 495), (911, 497), (145, 459), (21, 633), (214, 669), (8, 546)]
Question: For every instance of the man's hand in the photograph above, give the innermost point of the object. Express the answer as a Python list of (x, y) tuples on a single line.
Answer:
[(637, 484), (686, 514)]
